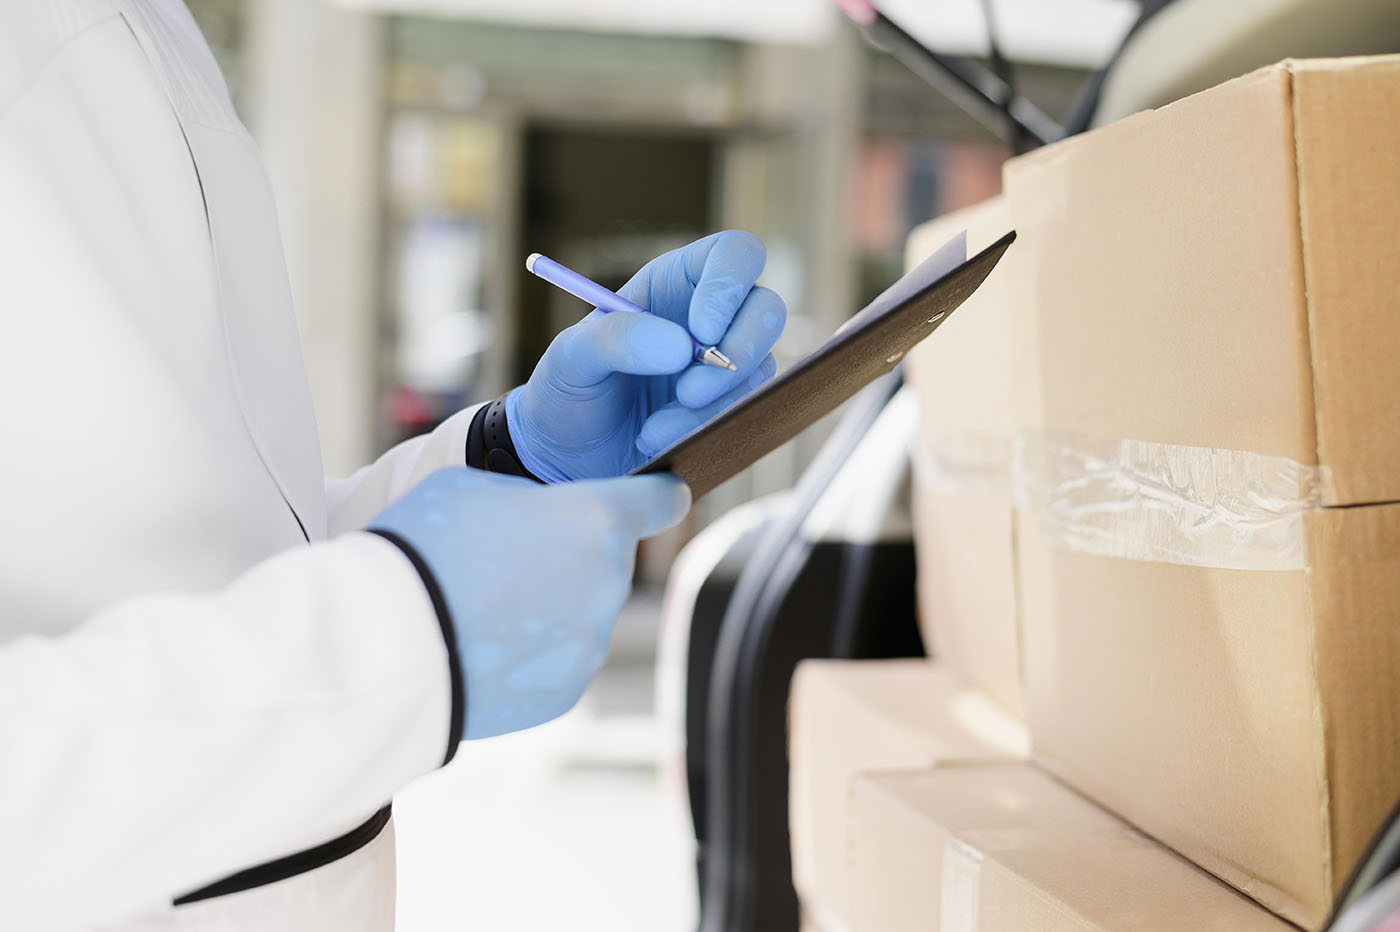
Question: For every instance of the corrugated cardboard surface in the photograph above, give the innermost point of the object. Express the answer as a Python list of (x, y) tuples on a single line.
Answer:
[(965, 372), (1223, 273), (965, 380), (967, 597), (1182, 295), (1354, 588), (1008, 849), (850, 716), (1183, 699), (1348, 145)]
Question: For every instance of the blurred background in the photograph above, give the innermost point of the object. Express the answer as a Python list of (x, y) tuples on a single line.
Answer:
[(420, 149)]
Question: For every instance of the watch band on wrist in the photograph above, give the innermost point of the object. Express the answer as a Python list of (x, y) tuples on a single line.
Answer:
[(489, 445)]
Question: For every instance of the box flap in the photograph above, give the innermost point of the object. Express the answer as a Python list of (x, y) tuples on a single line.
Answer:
[(1348, 150)]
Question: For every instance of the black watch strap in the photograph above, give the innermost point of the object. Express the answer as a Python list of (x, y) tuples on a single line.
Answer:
[(489, 446)]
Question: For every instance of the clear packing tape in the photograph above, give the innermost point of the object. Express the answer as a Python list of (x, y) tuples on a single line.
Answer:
[(958, 894), (1139, 500), (966, 464)]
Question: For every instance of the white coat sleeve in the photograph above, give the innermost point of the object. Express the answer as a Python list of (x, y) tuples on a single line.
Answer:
[(171, 740), (352, 502)]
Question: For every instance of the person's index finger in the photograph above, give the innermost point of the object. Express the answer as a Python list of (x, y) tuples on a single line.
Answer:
[(751, 336), (732, 262), (596, 347)]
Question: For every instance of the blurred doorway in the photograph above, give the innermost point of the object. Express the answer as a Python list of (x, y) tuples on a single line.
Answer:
[(604, 200)]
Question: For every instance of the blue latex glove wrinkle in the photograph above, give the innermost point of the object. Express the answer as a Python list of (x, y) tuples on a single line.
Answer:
[(533, 576), (615, 389)]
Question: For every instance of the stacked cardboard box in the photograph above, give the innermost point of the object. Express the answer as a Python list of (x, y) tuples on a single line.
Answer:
[(851, 717), (1008, 849), (1190, 354), (1210, 576), (962, 489), (912, 808)]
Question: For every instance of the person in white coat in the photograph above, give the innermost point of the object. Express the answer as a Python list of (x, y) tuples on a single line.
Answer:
[(216, 666)]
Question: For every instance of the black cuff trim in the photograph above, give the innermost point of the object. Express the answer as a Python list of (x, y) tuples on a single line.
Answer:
[(449, 636), (293, 864), (489, 444)]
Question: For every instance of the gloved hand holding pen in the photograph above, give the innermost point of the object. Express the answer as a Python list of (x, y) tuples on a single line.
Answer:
[(615, 389), (609, 392)]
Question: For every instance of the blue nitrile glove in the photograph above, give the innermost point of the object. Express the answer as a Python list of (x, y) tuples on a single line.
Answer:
[(615, 389), (532, 578)]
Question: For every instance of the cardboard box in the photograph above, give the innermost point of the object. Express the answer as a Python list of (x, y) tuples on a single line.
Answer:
[(966, 591), (1210, 646), (1009, 849), (850, 716), (962, 492), (1247, 719), (1223, 272)]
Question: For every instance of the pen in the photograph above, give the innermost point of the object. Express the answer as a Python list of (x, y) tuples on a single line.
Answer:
[(608, 302)]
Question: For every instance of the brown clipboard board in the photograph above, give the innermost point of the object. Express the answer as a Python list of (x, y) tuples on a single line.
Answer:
[(870, 344)]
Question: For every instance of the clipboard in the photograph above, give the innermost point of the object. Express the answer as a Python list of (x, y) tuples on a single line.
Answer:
[(869, 345)]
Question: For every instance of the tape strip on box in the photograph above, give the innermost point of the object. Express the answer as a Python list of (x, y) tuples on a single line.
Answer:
[(1137, 499), (980, 465), (962, 870), (1170, 503)]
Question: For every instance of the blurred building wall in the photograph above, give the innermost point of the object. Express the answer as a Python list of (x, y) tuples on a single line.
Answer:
[(782, 122), (400, 151)]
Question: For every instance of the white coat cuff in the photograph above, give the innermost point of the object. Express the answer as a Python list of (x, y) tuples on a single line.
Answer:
[(457, 718), (409, 592)]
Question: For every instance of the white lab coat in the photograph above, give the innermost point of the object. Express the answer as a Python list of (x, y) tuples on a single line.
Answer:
[(203, 665)]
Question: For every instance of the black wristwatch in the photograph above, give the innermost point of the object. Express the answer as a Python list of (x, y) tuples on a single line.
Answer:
[(489, 446)]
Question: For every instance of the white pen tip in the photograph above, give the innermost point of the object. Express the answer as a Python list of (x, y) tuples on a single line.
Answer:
[(530, 262), (714, 357)]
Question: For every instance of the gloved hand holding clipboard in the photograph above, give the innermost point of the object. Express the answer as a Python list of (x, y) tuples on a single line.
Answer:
[(870, 344)]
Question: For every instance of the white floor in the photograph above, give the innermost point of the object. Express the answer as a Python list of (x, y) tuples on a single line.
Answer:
[(566, 826)]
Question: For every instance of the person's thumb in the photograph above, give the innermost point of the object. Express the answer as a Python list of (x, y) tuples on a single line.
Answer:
[(601, 344), (649, 504)]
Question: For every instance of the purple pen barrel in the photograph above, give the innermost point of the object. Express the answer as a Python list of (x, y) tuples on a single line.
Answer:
[(609, 302)]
